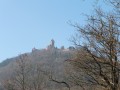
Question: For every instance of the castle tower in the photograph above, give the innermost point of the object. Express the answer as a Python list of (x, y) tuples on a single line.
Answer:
[(52, 43)]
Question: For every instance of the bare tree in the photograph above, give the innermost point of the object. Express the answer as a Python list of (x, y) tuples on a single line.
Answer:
[(18, 80), (98, 61), (37, 78), (59, 82), (26, 76), (22, 72), (8, 85)]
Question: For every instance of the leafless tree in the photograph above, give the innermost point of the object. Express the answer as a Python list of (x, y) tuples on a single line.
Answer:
[(8, 85), (97, 59), (38, 78), (59, 82), (18, 80), (26, 76)]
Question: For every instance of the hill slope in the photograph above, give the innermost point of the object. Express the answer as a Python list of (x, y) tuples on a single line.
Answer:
[(50, 59)]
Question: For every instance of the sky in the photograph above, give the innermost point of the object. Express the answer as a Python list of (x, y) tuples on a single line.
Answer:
[(25, 24)]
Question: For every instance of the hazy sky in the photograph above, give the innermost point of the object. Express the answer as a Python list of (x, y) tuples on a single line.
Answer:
[(25, 24)]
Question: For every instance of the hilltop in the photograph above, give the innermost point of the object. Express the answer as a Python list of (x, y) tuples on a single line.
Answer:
[(51, 59)]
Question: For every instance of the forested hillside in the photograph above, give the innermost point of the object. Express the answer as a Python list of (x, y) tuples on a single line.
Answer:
[(48, 62)]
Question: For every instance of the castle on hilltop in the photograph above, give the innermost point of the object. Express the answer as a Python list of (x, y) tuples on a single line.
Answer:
[(49, 47), (52, 45)]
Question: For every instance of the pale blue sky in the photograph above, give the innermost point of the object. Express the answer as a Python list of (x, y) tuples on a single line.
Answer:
[(25, 24)]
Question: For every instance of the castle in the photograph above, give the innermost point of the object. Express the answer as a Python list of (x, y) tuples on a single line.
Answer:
[(52, 45)]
